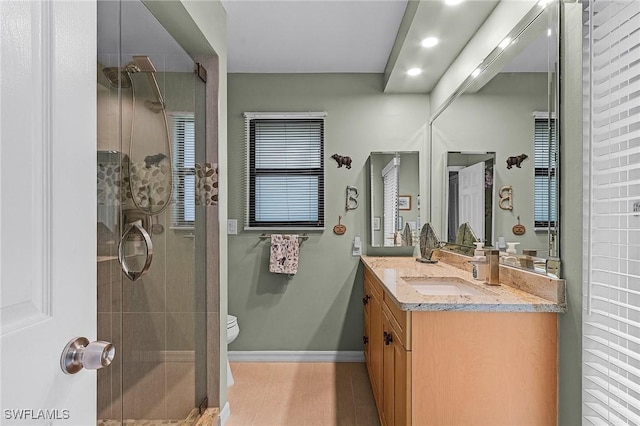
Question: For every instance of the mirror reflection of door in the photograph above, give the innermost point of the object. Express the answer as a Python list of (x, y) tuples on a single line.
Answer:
[(471, 196)]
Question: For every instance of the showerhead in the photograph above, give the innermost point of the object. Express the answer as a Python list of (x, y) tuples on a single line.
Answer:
[(142, 64), (120, 77), (117, 77)]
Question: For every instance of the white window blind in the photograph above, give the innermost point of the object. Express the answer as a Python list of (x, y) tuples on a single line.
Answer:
[(611, 317), (390, 185), (285, 171), (184, 173), (545, 179)]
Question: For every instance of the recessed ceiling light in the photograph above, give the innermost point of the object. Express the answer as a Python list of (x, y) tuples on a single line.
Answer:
[(414, 71), (476, 72), (549, 32), (505, 43), (544, 3), (454, 2), (429, 42)]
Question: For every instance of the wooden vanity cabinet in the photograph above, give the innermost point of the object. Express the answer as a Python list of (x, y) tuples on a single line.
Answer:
[(460, 367), (388, 360)]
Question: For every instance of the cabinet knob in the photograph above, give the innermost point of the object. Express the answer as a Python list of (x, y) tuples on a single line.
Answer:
[(388, 338), (365, 299), (365, 339)]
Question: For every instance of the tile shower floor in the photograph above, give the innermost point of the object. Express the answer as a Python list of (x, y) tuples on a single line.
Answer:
[(208, 418), (139, 422), (301, 394)]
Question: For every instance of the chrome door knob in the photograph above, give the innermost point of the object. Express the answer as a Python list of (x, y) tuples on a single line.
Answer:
[(79, 354)]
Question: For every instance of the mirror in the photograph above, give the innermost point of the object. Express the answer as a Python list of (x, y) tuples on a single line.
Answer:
[(394, 196), (508, 107)]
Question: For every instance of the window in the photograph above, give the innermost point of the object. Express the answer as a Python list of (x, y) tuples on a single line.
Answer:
[(184, 173), (611, 237), (545, 179), (285, 170)]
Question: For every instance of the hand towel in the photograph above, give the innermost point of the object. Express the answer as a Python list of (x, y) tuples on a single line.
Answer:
[(284, 254)]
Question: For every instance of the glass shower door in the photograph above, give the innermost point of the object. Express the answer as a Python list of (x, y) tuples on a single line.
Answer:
[(151, 298)]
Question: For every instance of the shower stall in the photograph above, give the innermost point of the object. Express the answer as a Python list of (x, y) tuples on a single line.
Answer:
[(155, 191)]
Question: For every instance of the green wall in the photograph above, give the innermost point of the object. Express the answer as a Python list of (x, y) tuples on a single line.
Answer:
[(319, 308), (571, 181)]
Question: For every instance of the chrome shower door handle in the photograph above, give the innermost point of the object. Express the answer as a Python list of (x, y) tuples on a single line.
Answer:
[(128, 230)]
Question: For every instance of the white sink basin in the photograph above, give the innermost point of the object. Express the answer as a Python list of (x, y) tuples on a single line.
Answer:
[(445, 286)]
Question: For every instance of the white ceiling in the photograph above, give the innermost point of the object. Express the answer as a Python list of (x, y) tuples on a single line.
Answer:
[(452, 25), (311, 36), (305, 36)]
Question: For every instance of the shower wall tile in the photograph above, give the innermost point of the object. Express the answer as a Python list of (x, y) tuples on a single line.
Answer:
[(104, 326), (142, 390), (104, 397), (110, 379), (145, 295), (181, 330), (180, 272), (180, 390), (104, 298), (144, 336), (109, 285)]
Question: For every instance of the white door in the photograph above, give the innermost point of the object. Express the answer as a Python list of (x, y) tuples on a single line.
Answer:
[(471, 197), (47, 208)]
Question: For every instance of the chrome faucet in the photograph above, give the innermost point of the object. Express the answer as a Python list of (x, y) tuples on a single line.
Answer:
[(493, 262)]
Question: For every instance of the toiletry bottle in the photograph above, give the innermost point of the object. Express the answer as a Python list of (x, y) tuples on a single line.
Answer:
[(479, 262)]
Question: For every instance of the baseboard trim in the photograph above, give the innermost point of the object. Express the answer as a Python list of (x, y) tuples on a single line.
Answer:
[(296, 356), (225, 414)]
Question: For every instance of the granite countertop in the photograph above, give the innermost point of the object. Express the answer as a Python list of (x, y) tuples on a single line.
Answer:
[(502, 298)]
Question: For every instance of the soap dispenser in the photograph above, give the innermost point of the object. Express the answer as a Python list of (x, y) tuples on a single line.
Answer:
[(479, 262)]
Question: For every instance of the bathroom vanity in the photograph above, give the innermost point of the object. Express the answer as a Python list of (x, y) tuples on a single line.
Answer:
[(444, 349)]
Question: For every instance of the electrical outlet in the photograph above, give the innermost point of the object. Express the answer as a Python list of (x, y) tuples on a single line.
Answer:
[(232, 226)]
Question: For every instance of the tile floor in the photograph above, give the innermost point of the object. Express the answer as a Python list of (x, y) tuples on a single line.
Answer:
[(301, 394)]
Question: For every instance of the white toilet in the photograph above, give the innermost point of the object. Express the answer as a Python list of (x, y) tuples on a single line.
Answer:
[(232, 332)]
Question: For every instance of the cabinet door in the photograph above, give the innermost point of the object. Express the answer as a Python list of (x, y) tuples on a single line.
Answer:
[(396, 410), (376, 347), (388, 375), (402, 384), (367, 324)]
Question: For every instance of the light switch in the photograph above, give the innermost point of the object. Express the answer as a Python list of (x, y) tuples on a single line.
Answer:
[(357, 246), (232, 226)]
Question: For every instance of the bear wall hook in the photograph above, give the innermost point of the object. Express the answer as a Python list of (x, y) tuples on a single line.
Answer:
[(342, 160), (516, 161)]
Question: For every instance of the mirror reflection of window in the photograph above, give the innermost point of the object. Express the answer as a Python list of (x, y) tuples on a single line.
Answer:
[(545, 180), (390, 189)]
